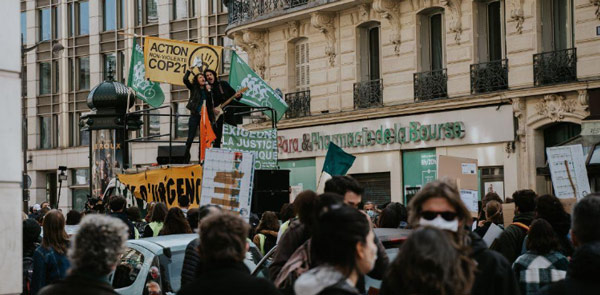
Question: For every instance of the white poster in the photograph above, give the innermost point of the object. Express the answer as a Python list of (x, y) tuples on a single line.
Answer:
[(494, 187), (567, 168), (227, 180), (468, 168), (470, 198)]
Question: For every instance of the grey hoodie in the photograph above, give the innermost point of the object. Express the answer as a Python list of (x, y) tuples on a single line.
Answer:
[(316, 280)]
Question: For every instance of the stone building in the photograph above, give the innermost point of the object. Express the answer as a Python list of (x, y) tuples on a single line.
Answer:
[(398, 83), (95, 36)]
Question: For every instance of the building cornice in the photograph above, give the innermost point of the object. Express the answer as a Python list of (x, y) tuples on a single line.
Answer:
[(440, 105)]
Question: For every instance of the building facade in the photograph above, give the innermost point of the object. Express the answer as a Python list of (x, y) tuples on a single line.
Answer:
[(398, 83), (77, 44)]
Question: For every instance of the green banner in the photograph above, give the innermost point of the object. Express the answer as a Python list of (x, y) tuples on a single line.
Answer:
[(259, 93), (418, 168), (145, 90), (263, 144)]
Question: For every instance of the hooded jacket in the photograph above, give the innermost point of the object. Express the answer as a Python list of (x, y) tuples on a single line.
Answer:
[(582, 274), (323, 280), (494, 274), (510, 242), (125, 219)]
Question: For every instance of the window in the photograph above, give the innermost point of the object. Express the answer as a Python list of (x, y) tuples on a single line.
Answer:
[(377, 187), (45, 132), (432, 40), (84, 72), (45, 24), (79, 199), (128, 269), (56, 77), (45, 78), (490, 36), (24, 27), (181, 127), (84, 18), (113, 14), (77, 137), (180, 9), (214, 6), (80, 188), (556, 24), (302, 73), (151, 11), (368, 53), (110, 65)]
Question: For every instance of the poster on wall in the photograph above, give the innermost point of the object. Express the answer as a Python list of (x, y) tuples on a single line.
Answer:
[(568, 171), (464, 172), (166, 184), (418, 168), (227, 180), (494, 187), (262, 143)]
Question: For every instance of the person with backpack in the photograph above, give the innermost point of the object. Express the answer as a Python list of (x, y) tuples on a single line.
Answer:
[(50, 261), (157, 221), (542, 264), (117, 207), (31, 240), (510, 242), (135, 216), (267, 230), (344, 247)]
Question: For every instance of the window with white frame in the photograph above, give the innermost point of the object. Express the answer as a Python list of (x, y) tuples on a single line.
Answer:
[(369, 51), (302, 66)]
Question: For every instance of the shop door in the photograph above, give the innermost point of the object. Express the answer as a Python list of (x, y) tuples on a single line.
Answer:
[(418, 168), (377, 187)]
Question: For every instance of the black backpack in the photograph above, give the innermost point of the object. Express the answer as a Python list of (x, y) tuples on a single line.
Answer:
[(27, 274)]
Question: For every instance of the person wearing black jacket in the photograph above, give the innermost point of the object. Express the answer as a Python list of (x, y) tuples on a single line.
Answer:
[(438, 204), (117, 206), (221, 92), (200, 92), (582, 274), (223, 247), (510, 242)]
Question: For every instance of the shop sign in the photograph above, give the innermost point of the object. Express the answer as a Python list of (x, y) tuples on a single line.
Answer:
[(472, 126)]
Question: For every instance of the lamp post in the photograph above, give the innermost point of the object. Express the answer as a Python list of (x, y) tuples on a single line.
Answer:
[(26, 181)]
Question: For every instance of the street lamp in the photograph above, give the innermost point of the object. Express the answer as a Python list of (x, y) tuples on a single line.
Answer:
[(57, 48), (62, 176)]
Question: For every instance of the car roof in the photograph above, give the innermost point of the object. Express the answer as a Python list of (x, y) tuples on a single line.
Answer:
[(391, 234), (174, 242)]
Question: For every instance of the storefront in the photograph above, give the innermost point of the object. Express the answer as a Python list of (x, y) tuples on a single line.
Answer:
[(396, 156)]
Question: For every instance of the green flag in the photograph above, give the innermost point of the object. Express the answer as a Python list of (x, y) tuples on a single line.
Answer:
[(146, 90), (337, 162), (259, 93)]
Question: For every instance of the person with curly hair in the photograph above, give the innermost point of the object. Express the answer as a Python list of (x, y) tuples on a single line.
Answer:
[(97, 249)]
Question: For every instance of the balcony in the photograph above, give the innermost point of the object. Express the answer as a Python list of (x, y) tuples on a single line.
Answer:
[(247, 11), (431, 85), (555, 67), (368, 94), (298, 104), (489, 76)]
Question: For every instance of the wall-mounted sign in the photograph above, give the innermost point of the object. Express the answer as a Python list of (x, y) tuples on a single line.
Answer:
[(472, 126)]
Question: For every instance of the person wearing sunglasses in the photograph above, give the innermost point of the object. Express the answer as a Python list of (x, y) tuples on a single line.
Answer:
[(438, 204)]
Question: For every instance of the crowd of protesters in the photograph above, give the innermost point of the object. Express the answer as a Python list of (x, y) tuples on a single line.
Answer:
[(326, 244)]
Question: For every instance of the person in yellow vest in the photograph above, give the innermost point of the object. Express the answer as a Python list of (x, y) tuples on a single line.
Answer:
[(267, 229), (159, 213)]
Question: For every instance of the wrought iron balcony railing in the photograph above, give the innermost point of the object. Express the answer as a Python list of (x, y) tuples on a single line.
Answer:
[(298, 104), (431, 85), (368, 94), (242, 11), (489, 76), (555, 67)]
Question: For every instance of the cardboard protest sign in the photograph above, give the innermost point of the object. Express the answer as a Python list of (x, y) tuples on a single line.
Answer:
[(166, 184), (568, 171), (227, 180), (508, 212), (464, 172), (167, 60), (262, 143)]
